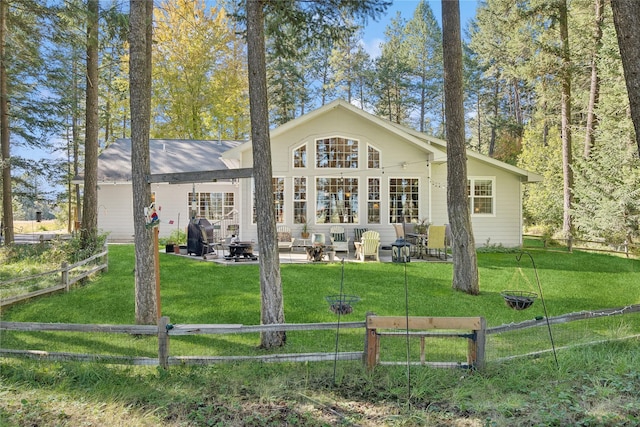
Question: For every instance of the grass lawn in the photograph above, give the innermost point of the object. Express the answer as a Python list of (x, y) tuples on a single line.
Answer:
[(596, 385)]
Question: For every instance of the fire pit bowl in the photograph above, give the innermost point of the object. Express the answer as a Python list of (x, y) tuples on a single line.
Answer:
[(342, 304), (519, 300)]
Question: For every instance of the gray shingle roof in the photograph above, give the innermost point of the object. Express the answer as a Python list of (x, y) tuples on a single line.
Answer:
[(167, 156)]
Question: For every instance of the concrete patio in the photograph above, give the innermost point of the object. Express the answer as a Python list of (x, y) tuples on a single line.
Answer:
[(299, 256)]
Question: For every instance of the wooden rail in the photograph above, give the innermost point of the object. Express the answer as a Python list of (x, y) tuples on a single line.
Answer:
[(574, 243), (475, 327), (66, 279), (164, 330)]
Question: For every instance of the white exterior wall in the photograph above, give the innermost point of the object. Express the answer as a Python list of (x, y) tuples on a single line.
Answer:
[(394, 151), (115, 202), (115, 211), (503, 227)]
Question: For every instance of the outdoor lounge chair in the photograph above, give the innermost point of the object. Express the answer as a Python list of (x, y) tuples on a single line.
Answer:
[(436, 240), (369, 245), (339, 239), (285, 241)]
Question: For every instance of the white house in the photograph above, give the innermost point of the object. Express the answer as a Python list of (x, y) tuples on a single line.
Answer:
[(335, 165)]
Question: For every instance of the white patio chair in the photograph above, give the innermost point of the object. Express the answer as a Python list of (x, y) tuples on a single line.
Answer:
[(339, 239), (285, 240)]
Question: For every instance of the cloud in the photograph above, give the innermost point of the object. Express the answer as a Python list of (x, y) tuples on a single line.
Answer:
[(372, 47)]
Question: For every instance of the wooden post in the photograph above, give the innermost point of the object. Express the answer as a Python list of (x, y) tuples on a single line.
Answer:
[(371, 345), (106, 257), (163, 342), (156, 259), (65, 276), (475, 355)]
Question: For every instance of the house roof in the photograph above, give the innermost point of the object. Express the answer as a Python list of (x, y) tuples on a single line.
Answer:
[(167, 156), (435, 146)]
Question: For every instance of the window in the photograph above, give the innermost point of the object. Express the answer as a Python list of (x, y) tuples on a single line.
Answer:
[(299, 200), (373, 202), (403, 200), (300, 157), (481, 196), (337, 200), (373, 158), (211, 206), (278, 200), (337, 153)]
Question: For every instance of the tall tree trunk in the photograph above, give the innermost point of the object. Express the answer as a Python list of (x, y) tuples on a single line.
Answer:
[(626, 18), (5, 160), (496, 111), (75, 134), (140, 32), (567, 155), (594, 91), (272, 307), (90, 203), (465, 265)]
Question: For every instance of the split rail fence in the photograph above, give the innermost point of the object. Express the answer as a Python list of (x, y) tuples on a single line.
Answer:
[(69, 275), (480, 340)]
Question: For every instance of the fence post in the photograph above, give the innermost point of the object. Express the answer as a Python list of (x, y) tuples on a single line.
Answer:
[(65, 275), (163, 342), (106, 257), (477, 345), (370, 345)]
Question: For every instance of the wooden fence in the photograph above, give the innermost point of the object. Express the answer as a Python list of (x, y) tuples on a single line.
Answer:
[(164, 330), (473, 329), (67, 277), (587, 245)]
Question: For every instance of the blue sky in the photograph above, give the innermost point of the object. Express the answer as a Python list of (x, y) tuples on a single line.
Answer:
[(374, 31)]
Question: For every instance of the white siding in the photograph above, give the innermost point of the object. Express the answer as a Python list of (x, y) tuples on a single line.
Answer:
[(115, 214)]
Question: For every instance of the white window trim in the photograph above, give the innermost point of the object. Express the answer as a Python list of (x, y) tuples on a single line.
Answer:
[(315, 153), (388, 194), (367, 156), (293, 157), (494, 194)]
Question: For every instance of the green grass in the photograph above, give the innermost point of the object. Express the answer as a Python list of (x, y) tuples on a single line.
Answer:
[(594, 385), (199, 292)]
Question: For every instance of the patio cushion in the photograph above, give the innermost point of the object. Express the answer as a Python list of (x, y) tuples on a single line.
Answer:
[(284, 236), (338, 237)]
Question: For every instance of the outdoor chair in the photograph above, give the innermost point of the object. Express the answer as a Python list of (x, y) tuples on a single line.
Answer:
[(357, 235), (224, 246), (399, 229), (339, 240), (436, 240), (369, 245), (285, 241)]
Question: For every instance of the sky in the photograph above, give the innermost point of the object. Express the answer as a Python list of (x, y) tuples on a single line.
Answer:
[(374, 31)]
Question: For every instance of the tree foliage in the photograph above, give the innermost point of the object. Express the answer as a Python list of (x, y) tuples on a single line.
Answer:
[(199, 73)]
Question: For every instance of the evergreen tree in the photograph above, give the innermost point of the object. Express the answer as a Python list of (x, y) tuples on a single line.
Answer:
[(394, 100), (24, 106), (424, 45), (465, 263), (140, 40), (300, 15)]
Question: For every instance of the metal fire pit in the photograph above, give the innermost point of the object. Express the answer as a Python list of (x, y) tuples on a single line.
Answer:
[(241, 250)]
